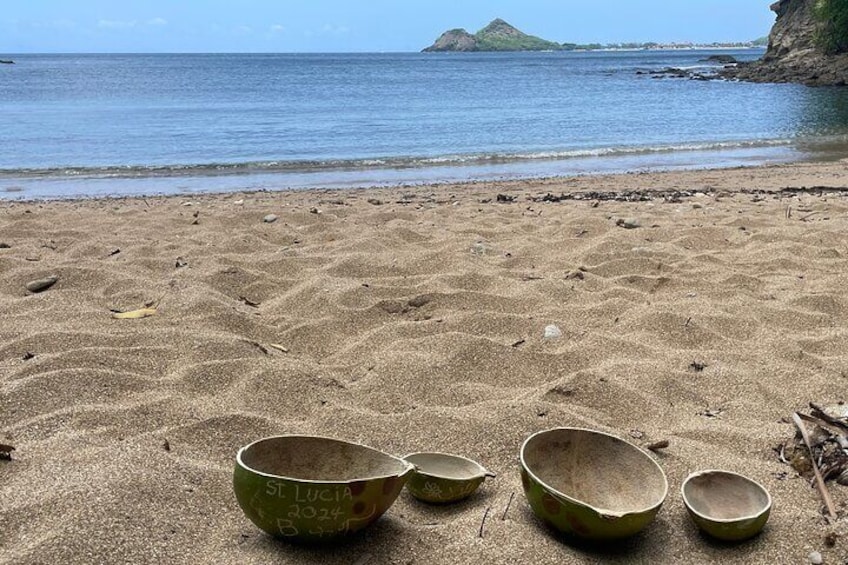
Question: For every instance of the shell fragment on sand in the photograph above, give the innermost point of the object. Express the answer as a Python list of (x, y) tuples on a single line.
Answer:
[(135, 314), (553, 332)]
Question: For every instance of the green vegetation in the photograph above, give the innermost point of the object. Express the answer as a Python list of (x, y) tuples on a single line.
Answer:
[(521, 43), (761, 42), (833, 32), (500, 36)]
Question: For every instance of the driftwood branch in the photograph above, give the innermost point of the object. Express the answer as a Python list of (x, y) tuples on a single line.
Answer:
[(825, 494), (825, 425), (483, 523), (508, 504), (819, 412)]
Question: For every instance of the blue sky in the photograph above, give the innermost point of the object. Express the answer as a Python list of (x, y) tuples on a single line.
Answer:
[(357, 25)]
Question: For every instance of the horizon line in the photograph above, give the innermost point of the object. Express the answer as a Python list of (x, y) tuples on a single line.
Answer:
[(606, 47)]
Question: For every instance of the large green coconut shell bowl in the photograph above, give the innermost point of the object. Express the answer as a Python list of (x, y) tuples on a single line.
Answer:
[(726, 505), (311, 489), (590, 484)]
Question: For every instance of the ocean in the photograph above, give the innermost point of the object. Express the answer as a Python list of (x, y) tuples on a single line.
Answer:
[(102, 125)]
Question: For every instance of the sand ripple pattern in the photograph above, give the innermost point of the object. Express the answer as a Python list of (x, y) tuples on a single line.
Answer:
[(413, 320)]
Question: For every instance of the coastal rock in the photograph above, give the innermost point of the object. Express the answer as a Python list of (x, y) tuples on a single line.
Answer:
[(793, 54), (6, 62), (670, 72), (497, 36), (721, 59), (674, 72)]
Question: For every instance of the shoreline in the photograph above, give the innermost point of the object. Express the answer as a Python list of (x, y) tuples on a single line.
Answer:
[(774, 177), (224, 180), (698, 307)]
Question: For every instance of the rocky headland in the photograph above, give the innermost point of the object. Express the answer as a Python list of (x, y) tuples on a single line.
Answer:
[(794, 53)]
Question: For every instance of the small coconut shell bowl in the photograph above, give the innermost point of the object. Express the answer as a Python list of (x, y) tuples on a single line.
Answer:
[(442, 478), (726, 505), (310, 489), (590, 484)]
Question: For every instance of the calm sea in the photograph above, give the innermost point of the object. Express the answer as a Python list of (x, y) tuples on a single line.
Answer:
[(81, 125)]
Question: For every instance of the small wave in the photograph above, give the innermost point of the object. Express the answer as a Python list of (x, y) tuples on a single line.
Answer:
[(378, 163)]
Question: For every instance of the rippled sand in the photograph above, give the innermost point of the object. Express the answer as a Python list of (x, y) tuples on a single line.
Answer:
[(414, 320)]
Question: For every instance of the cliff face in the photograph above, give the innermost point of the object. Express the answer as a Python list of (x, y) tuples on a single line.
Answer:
[(792, 54), (497, 36), (793, 34)]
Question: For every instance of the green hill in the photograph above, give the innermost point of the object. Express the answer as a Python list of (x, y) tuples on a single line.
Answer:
[(497, 36)]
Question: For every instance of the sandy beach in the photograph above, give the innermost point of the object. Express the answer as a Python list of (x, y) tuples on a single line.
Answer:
[(413, 320)]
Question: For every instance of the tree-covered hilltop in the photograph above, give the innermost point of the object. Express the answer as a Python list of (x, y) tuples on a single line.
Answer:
[(497, 36), (500, 36)]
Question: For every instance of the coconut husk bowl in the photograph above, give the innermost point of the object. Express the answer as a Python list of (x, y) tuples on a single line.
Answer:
[(590, 484), (726, 505), (310, 489), (443, 478)]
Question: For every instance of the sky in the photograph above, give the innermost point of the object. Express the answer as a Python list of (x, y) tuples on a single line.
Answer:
[(282, 26)]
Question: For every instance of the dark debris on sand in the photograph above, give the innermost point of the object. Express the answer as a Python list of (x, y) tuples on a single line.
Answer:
[(828, 432)]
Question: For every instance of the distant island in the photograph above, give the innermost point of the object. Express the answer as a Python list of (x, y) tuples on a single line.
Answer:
[(497, 36), (501, 36)]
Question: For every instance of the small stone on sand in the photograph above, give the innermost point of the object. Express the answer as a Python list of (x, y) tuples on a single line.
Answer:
[(270, 218), (41, 285), (629, 223), (816, 558)]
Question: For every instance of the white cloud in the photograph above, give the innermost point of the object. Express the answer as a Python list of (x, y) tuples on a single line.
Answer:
[(131, 24), (243, 30), (117, 24), (334, 29), (277, 28)]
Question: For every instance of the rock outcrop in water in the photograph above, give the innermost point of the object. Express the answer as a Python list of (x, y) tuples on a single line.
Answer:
[(793, 53), (497, 36)]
